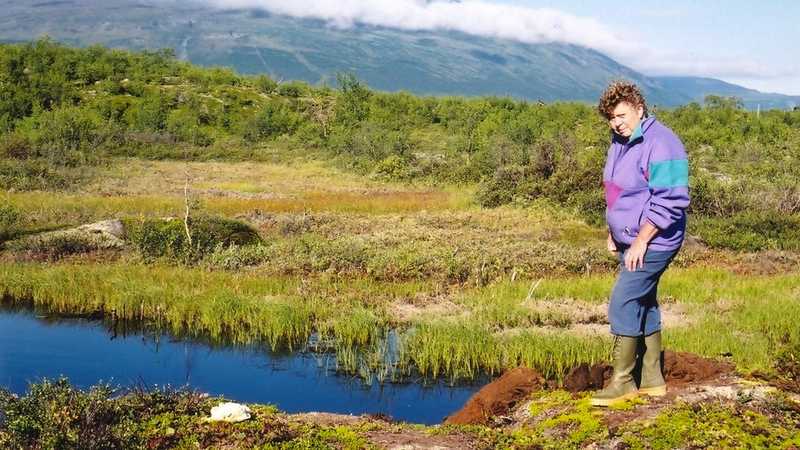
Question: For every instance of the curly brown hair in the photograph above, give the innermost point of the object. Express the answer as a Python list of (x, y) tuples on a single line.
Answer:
[(617, 92)]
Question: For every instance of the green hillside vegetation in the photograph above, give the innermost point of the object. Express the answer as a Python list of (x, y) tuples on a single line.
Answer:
[(425, 62), (65, 110)]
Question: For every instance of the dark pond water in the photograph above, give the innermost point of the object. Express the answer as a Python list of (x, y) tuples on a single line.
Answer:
[(34, 347)]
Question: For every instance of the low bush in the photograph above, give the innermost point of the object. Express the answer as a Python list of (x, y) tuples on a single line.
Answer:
[(235, 257), (10, 218), (273, 120), (15, 146), (749, 231), (66, 136), (507, 183), (55, 414), (37, 174), (167, 238)]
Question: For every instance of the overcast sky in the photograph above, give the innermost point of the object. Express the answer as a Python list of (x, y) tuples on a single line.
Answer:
[(755, 44)]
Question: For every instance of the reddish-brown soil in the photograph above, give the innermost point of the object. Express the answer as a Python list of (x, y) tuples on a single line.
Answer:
[(498, 397), (680, 368)]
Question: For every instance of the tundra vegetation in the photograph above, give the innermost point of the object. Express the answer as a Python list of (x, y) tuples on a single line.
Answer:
[(471, 229)]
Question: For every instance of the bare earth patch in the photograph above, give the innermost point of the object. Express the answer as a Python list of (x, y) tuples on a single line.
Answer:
[(407, 439), (408, 312)]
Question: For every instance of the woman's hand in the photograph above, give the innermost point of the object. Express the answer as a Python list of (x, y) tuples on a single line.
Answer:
[(611, 246), (634, 257)]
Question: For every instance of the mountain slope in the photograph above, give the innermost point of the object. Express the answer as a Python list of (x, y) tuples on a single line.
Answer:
[(423, 62), (697, 88)]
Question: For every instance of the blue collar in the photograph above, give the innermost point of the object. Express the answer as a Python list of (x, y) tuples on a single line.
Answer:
[(638, 133)]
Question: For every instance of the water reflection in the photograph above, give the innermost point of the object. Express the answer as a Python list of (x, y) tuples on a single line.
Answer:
[(88, 351)]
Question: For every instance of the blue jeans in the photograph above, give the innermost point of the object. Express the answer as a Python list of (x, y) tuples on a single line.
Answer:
[(633, 308)]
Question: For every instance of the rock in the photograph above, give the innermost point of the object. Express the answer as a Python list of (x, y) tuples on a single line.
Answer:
[(229, 412), (104, 235), (111, 227)]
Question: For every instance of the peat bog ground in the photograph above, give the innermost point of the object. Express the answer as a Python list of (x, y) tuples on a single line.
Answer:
[(284, 255)]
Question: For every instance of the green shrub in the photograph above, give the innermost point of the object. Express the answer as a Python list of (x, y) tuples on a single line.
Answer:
[(273, 120), (507, 183), (749, 231), (185, 125), (292, 89), (717, 197), (235, 257), (265, 84), (150, 113), (65, 136), (16, 146), (55, 415), (36, 174), (166, 238), (10, 219), (394, 167), (352, 104)]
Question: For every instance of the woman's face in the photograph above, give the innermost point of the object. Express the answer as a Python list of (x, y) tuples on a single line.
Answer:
[(624, 118)]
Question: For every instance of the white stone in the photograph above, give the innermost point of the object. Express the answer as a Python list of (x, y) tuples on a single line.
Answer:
[(229, 412), (111, 227)]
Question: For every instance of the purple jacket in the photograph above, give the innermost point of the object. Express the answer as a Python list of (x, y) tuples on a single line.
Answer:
[(646, 178)]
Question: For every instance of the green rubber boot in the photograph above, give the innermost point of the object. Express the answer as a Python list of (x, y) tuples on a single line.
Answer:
[(621, 387), (652, 379)]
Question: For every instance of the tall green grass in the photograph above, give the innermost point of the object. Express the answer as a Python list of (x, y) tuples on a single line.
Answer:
[(466, 349)]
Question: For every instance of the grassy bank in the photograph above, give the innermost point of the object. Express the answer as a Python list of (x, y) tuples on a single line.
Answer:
[(455, 333)]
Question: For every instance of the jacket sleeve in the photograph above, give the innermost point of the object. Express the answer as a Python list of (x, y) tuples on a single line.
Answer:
[(668, 181)]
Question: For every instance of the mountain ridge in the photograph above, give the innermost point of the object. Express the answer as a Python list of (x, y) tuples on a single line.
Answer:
[(421, 62)]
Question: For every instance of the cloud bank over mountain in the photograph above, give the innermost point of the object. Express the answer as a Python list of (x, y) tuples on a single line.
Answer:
[(515, 22), (524, 24)]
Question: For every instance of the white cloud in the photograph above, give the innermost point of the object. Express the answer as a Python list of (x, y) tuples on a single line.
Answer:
[(515, 22), (476, 17), (696, 64)]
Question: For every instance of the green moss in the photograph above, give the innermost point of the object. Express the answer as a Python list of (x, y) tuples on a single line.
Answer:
[(546, 400), (711, 425), (628, 405)]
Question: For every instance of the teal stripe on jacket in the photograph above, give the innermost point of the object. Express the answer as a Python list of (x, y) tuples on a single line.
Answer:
[(669, 174)]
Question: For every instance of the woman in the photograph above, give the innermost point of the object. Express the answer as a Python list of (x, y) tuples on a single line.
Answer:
[(646, 185)]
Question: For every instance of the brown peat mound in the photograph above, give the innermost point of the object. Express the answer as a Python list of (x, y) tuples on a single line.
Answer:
[(501, 396), (685, 368), (498, 397)]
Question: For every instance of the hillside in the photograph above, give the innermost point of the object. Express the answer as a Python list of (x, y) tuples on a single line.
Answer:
[(252, 41)]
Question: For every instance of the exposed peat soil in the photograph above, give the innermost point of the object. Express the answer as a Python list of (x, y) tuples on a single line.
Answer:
[(683, 372), (504, 404)]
